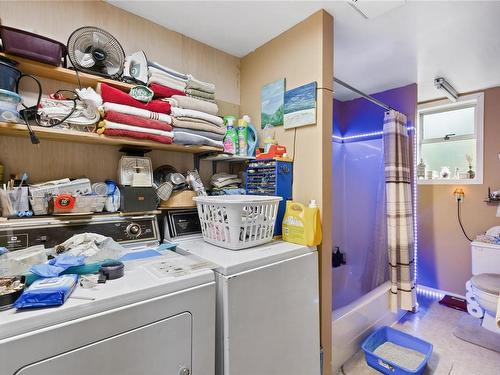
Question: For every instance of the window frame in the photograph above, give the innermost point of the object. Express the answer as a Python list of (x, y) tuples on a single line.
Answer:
[(465, 101)]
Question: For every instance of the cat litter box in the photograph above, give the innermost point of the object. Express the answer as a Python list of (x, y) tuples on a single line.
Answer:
[(394, 352)]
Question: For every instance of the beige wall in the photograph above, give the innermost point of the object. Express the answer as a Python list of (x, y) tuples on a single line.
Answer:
[(301, 55), (444, 252), (57, 19)]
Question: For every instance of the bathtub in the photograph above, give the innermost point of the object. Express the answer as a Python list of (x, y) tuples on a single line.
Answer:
[(353, 322)]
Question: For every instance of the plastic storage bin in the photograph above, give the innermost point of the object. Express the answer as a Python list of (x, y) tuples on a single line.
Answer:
[(388, 334), (238, 221)]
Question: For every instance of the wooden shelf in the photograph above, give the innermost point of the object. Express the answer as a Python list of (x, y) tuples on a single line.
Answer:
[(98, 139), (228, 158), (63, 74)]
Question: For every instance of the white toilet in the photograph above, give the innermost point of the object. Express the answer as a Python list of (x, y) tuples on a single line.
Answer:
[(483, 288)]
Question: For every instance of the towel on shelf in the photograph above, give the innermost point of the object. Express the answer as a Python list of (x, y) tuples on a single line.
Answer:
[(120, 130), (161, 91), (193, 83), (186, 102), (111, 95), (191, 113), (201, 133), (165, 69), (200, 94), (165, 79), (183, 138), (204, 126), (200, 98), (126, 109), (122, 118)]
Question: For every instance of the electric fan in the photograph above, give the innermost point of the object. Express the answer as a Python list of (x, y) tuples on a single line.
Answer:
[(96, 51)]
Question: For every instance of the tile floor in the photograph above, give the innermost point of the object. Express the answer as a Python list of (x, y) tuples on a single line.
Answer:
[(451, 356)]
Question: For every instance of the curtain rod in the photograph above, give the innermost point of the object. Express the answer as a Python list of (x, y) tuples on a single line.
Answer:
[(366, 96)]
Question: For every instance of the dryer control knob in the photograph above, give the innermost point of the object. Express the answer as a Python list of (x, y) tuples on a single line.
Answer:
[(133, 230), (184, 371)]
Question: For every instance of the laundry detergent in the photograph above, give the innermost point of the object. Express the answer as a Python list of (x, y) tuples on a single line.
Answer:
[(301, 224)]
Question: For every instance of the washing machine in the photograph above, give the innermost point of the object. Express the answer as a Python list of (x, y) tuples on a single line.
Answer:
[(158, 318), (267, 307)]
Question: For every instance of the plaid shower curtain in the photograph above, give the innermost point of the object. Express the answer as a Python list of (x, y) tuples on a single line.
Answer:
[(399, 211)]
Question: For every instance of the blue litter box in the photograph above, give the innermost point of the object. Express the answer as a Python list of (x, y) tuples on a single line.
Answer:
[(392, 339)]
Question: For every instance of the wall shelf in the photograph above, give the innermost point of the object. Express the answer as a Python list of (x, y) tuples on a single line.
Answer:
[(63, 74), (65, 135)]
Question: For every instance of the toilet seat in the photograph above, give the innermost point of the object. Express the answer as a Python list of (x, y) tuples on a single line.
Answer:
[(487, 282)]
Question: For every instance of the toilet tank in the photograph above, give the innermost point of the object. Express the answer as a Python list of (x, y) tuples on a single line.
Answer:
[(485, 258)]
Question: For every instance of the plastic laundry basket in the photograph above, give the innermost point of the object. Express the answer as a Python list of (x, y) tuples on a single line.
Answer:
[(237, 221), (388, 334)]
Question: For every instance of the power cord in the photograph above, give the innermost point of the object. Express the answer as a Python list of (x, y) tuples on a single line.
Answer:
[(460, 220)]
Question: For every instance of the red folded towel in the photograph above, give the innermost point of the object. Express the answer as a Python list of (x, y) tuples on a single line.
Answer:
[(164, 91), (137, 135), (112, 95), (122, 118)]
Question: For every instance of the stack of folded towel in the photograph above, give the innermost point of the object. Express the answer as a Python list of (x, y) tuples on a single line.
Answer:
[(196, 122), (226, 184), (127, 117)]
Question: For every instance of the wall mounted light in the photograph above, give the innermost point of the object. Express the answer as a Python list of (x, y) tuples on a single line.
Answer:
[(449, 91), (459, 194)]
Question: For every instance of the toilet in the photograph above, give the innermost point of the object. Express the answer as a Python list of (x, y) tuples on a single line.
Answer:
[(483, 288)]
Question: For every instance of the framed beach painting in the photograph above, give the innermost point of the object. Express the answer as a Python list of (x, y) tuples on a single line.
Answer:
[(272, 98), (300, 106)]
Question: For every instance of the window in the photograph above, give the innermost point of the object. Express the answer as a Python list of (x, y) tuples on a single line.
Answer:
[(450, 141)]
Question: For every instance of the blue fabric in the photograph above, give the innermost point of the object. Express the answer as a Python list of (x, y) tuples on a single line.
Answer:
[(57, 265), (140, 255)]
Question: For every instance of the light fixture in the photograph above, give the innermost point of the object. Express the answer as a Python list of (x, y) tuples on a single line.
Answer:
[(449, 91), (459, 194)]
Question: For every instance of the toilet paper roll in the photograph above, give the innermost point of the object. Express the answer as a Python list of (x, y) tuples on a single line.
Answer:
[(475, 310), (468, 286), (470, 297)]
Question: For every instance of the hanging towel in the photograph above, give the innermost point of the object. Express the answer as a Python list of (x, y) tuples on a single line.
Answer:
[(161, 91), (172, 72), (120, 130), (193, 103), (183, 138), (191, 113), (111, 95), (204, 126), (122, 118), (399, 211), (194, 83), (200, 94), (165, 79), (144, 113)]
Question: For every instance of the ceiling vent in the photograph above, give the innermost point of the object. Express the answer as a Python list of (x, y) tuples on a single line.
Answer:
[(374, 9)]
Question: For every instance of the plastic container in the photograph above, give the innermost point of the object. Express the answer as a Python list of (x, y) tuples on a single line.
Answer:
[(242, 137), (80, 186), (238, 221), (8, 74), (32, 46), (9, 101), (231, 139), (83, 204), (301, 224), (388, 334)]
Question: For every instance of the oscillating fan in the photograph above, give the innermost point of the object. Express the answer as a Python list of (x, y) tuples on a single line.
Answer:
[(96, 51)]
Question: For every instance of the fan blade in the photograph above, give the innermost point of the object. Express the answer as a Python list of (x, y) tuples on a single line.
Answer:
[(95, 40), (84, 59), (112, 66)]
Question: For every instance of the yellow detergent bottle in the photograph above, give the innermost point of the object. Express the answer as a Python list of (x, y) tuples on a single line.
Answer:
[(301, 224)]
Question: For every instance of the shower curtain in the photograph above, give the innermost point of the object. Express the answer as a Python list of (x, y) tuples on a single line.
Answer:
[(399, 211)]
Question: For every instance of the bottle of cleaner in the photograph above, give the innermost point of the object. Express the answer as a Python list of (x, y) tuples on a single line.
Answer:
[(301, 224), (252, 137), (231, 138), (242, 137), (268, 133)]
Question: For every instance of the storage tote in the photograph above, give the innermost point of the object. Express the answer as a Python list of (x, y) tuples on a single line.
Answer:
[(402, 340), (238, 221)]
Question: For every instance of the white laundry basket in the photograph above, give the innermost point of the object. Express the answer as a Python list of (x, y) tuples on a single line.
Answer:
[(237, 221)]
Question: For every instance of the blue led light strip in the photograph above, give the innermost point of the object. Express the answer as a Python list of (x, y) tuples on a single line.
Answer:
[(364, 135)]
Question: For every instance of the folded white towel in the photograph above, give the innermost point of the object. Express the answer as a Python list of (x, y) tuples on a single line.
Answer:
[(115, 125), (181, 112), (128, 110), (165, 79), (168, 70), (194, 83)]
